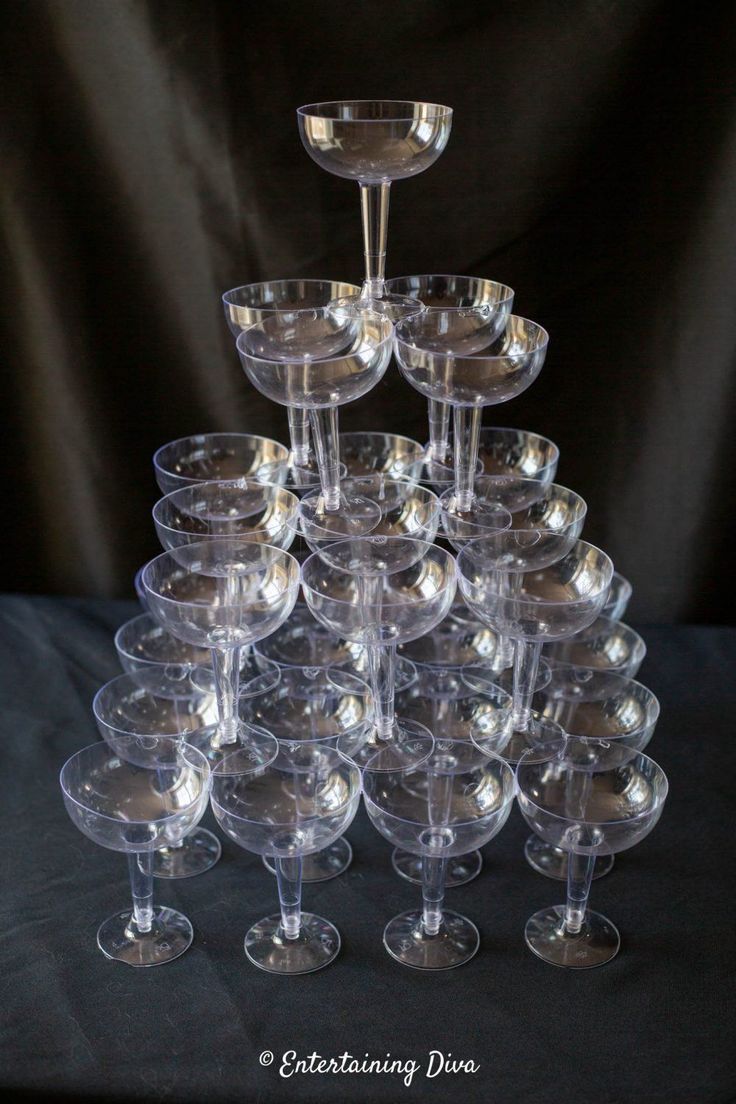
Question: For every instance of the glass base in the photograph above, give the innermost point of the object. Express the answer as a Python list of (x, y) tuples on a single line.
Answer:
[(356, 516), (455, 943), (316, 945), (257, 676), (261, 747), (541, 737), (459, 871), (389, 305), (410, 745), (597, 942), (480, 519), (199, 851), (295, 477), (170, 935), (552, 861), (325, 864)]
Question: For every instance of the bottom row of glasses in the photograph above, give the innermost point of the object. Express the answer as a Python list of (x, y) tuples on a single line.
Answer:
[(137, 795)]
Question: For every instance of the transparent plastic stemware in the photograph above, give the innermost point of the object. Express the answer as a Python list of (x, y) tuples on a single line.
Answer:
[(389, 454), (461, 802), (243, 509), (605, 645), (309, 705), (219, 456), (319, 360), (379, 591), (375, 142), (548, 604), (512, 453), (587, 814), (452, 705), (251, 303), (136, 797), (458, 357), (152, 702), (448, 293), (607, 719), (224, 594), (297, 806)]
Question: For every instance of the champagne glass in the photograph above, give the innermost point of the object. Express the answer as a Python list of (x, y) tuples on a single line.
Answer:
[(379, 591), (219, 456), (319, 360), (224, 594), (587, 814), (607, 719), (389, 454), (511, 453), (298, 805), (376, 142), (242, 508), (452, 704), (136, 797), (544, 604), (458, 357), (618, 598), (308, 705), (465, 801), (448, 293), (251, 303), (605, 645), (158, 702)]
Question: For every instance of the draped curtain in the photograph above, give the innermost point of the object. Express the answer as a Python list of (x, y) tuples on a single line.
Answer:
[(151, 160)]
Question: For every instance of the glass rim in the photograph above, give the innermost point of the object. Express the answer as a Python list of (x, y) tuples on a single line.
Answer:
[(430, 547), (135, 683), (510, 293), (473, 357), (527, 755), (283, 280), (290, 561), (197, 436), (271, 361), (292, 502), (307, 111), (202, 768)]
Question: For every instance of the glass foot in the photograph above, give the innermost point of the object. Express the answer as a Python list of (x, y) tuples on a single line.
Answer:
[(461, 869), (325, 864), (597, 941), (199, 851), (479, 519), (295, 477), (316, 945), (456, 942), (256, 745), (552, 861), (258, 675), (389, 305), (410, 745), (541, 736), (170, 935), (356, 516)]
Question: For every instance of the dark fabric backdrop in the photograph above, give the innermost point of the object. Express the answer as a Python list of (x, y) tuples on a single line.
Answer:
[(152, 160)]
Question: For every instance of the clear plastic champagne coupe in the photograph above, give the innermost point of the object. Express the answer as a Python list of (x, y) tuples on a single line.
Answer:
[(401, 508), (448, 293), (511, 453), (242, 508), (457, 357), (450, 806), (146, 705), (587, 814), (605, 645), (308, 705), (618, 598), (251, 303), (452, 704), (224, 594), (376, 142), (219, 456), (607, 719), (544, 604), (379, 591), (136, 797), (317, 361), (295, 807)]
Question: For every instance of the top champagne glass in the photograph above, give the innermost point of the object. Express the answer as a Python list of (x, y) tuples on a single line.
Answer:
[(375, 142)]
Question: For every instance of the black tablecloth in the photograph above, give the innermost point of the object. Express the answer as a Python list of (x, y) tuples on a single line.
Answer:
[(654, 1024)]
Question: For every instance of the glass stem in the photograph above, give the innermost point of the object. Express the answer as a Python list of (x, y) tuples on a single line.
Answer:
[(467, 431), (433, 892), (374, 213), (226, 669), (327, 446), (382, 661), (140, 868), (510, 584), (299, 436), (579, 876), (439, 430), (526, 665), (289, 878)]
